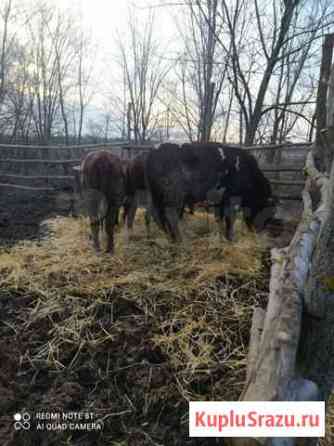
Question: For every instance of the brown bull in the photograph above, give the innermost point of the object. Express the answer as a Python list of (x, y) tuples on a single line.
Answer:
[(103, 185)]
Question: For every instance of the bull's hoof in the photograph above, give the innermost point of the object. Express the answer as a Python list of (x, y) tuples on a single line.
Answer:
[(110, 250), (229, 236), (97, 249)]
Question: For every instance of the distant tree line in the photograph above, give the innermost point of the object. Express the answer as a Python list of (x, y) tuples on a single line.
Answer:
[(242, 70)]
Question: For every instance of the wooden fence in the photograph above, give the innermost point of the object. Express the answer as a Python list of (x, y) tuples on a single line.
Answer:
[(49, 168)]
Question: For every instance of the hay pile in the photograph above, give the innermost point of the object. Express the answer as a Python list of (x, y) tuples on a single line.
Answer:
[(132, 337)]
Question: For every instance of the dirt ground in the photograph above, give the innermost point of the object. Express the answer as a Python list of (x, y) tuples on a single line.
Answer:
[(138, 392), (22, 212)]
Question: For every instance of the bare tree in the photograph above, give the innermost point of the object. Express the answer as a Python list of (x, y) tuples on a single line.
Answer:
[(44, 72), (282, 38), (85, 64), (144, 73), (201, 69), (5, 13)]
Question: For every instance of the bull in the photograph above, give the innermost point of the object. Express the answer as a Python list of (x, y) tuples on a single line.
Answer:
[(136, 190), (103, 183), (223, 175)]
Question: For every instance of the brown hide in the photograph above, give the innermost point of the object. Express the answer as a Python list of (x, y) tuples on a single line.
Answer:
[(103, 182)]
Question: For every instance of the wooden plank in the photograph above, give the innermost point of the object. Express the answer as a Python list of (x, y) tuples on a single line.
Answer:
[(289, 197), (61, 147), (284, 169), (37, 189), (37, 177), (39, 161), (287, 183), (292, 147)]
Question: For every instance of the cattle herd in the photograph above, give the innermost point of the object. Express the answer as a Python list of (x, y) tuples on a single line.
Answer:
[(174, 177)]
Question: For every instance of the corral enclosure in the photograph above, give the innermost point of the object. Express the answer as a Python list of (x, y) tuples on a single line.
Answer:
[(45, 179), (132, 337)]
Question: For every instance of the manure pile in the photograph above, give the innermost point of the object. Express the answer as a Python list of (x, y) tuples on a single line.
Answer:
[(130, 338)]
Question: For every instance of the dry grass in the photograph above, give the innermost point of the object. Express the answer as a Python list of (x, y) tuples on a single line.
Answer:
[(65, 261), (149, 328)]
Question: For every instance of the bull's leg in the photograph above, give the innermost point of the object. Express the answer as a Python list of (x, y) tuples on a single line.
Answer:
[(93, 201), (130, 210), (172, 217), (111, 219), (227, 212), (229, 223), (133, 206), (95, 228), (158, 216), (148, 214), (147, 201), (219, 217), (248, 218)]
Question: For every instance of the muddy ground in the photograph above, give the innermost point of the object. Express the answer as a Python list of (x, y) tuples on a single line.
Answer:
[(21, 213), (33, 387)]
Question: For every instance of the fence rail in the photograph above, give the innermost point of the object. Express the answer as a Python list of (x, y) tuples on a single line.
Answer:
[(290, 146), (37, 177), (61, 147), (287, 183), (31, 188), (39, 161)]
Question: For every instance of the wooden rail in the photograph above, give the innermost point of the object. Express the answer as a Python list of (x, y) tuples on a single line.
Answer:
[(287, 183), (292, 147), (290, 197), (39, 161), (37, 177), (31, 188), (283, 169), (61, 147)]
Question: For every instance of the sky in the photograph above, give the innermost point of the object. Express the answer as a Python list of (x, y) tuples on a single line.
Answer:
[(104, 20), (105, 17)]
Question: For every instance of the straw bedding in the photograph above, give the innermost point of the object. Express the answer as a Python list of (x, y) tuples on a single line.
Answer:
[(131, 338)]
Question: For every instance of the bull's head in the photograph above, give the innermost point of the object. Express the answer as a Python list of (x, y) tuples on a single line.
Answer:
[(266, 214), (215, 196)]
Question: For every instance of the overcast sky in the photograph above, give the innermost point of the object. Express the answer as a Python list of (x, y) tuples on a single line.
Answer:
[(107, 18), (104, 17)]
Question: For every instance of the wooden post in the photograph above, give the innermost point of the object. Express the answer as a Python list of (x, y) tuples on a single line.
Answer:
[(277, 369), (325, 69)]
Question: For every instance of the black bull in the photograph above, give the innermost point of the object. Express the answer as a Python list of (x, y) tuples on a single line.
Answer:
[(220, 174)]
